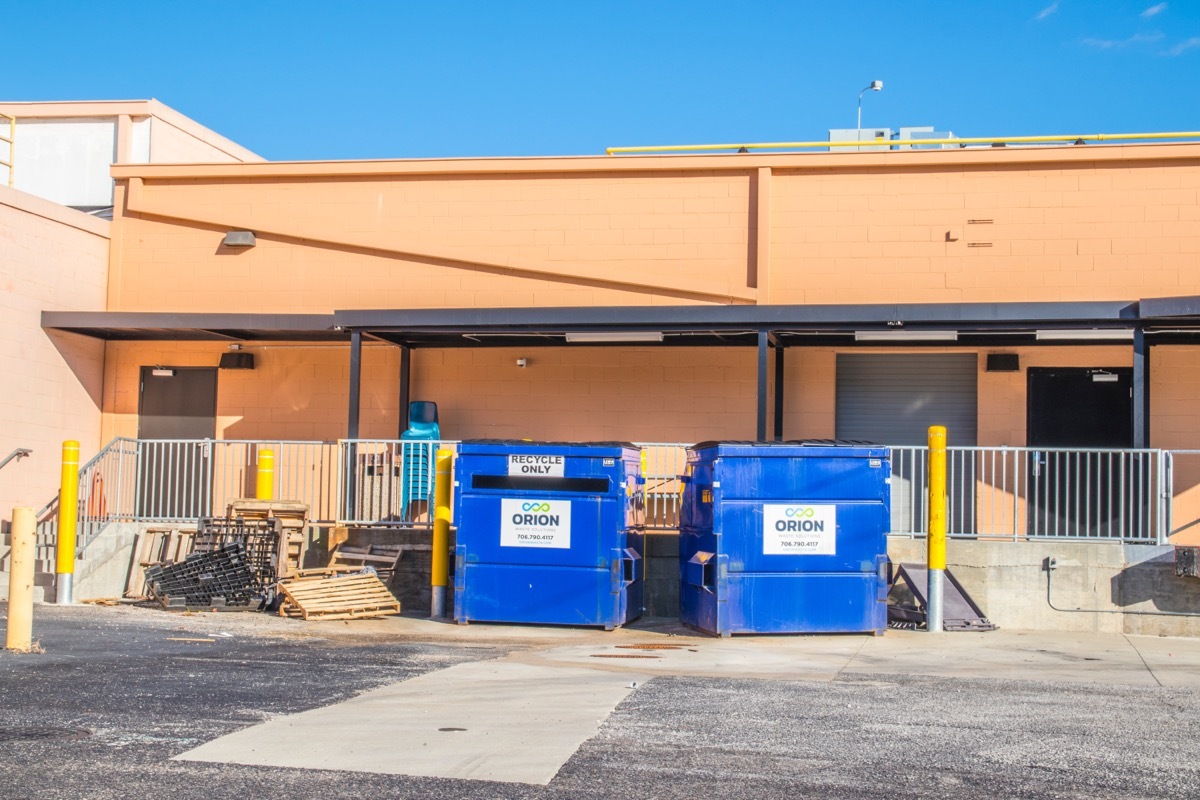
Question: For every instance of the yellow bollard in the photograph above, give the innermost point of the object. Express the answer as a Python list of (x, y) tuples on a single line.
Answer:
[(68, 519), (20, 582), (264, 489), (937, 526), (441, 533)]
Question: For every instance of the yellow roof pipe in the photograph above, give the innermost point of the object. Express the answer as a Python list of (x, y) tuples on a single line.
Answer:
[(1074, 138)]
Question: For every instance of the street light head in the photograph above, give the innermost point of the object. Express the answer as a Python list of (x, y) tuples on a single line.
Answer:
[(876, 86)]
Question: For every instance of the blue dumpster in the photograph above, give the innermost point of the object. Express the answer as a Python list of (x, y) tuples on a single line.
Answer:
[(787, 537), (548, 533)]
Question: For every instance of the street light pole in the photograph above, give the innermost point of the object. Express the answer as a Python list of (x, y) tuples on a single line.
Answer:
[(875, 86)]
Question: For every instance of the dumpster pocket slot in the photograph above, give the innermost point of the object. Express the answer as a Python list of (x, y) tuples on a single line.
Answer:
[(541, 483), (629, 565), (702, 570)]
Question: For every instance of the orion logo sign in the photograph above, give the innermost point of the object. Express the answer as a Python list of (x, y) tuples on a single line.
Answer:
[(799, 529), (535, 523)]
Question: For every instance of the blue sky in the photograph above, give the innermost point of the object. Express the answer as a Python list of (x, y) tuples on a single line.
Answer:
[(374, 79)]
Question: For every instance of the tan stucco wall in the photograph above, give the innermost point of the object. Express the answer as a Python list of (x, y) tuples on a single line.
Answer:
[(53, 259)]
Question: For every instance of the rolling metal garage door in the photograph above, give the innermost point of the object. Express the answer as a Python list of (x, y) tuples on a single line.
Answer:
[(893, 399)]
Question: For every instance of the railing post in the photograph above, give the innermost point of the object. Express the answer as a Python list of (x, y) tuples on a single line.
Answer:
[(937, 526), (1166, 496), (19, 636), (441, 534), (68, 517)]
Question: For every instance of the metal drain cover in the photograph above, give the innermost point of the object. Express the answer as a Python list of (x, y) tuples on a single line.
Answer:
[(623, 655), (650, 646), (41, 734)]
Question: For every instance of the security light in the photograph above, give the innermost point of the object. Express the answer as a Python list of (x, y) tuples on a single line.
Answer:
[(239, 239), (874, 86)]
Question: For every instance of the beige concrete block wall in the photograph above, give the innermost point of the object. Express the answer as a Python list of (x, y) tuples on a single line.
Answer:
[(351, 243), (588, 393), (1072, 231), (53, 259), (300, 391), (1115, 223), (1174, 393)]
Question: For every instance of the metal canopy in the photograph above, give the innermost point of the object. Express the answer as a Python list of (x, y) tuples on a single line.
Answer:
[(710, 326), (1173, 320), (144, 326)]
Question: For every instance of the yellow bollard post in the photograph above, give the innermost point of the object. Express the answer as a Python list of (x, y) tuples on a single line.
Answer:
[(937, 527), (19, 636), (441, 533), (68, 519), (264, 489)]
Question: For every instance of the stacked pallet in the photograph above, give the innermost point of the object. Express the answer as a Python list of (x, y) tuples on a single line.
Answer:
[(156, 546), (335, 594)]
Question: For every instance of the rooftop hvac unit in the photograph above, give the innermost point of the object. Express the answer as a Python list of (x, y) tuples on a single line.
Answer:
[(926, 132), (860, 135)]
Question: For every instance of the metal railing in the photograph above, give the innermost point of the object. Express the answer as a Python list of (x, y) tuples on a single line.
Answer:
[(1026, 493), (662, 464), (387, 482), (1006, 493)]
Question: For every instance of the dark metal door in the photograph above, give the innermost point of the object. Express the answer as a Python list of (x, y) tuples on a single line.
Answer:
[(177, 404), (1085, 493)]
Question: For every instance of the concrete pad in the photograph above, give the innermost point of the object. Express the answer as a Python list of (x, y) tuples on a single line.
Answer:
[(1173, 661), (519, 724), (1006, 655), (997, 655), (808, 659)]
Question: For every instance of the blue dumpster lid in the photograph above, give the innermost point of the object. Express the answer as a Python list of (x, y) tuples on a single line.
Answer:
[(523, 445), (791, 443), (807, 447)]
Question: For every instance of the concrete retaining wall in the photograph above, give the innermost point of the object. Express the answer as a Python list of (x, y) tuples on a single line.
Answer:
[(1100, 586)]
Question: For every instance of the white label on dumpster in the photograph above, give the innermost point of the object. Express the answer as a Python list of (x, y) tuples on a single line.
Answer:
[(527, 522), (545, 466), (799, 529)]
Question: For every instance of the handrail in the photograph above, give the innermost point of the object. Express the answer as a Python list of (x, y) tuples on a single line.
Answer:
[(18, 454), (957, 141)]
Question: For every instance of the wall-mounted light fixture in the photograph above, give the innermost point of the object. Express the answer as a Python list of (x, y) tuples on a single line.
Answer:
[(906, 336), (1092, 334), (585, 337), (239, 239), (162, 372)]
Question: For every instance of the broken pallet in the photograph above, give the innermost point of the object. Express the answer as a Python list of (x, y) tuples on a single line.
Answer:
[(334, 595)]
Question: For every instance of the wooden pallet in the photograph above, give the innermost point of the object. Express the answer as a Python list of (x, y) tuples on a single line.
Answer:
[(293, 519), (156, 546), (382, 557), (335, 594)]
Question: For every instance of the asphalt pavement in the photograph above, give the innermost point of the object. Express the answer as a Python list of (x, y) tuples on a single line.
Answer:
[(139, 702)]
